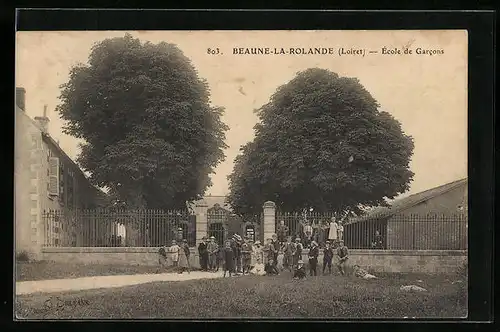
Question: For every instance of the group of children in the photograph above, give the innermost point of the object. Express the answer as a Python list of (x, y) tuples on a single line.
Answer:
[(244, 256), (332, 231), (179, 254)]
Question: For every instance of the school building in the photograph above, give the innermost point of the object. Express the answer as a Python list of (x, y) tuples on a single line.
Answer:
[(45, 178), (435, 219)]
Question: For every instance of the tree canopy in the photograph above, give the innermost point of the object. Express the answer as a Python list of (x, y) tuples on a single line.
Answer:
[(321, 143), (150, 133)]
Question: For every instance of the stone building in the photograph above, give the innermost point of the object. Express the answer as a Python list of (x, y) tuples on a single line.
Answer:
[(221, 222), (435, 219), (45, 178)]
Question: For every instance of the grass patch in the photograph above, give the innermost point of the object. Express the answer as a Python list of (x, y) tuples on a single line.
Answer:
[(254, 297), (45, 270)]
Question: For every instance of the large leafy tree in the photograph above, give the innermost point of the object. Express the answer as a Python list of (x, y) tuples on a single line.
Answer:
[(322, 143), (151, 135)]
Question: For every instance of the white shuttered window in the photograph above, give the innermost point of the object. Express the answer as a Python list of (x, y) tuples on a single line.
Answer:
[(54, 176)]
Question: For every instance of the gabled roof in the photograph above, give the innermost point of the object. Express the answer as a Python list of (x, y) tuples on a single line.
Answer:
[(399, 205)]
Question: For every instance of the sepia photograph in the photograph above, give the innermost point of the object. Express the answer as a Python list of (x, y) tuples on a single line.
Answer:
[(241, 174)]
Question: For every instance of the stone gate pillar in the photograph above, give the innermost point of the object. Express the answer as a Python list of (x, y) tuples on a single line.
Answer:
[(269, 222), (201, 210)]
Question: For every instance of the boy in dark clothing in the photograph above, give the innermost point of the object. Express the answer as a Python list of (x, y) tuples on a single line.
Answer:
[(282, 232), (287, 254), (343, 255), (300, 271), (203, 254), (219, 258), (237, 252), (297, 252), (270, 268), (274, 251), (313, 258), (246, 256), (378, 242), (277, 246), (212, 249), (228, 259), (327, 257)]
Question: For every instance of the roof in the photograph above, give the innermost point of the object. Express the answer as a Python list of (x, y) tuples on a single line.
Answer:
[(405, 203), (50, 140)]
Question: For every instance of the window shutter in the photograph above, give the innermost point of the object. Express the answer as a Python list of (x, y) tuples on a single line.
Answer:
[(53, 176)]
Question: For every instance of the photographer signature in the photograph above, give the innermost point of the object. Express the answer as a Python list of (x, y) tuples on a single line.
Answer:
[(58, 303)]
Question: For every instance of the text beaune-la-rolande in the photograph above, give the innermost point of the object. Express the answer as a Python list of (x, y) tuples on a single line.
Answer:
[(283, 50)]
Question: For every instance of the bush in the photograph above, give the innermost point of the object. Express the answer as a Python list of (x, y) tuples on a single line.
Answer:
[(22, 256)]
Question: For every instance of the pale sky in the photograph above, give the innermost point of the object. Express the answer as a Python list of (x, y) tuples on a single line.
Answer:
[(427, 94)]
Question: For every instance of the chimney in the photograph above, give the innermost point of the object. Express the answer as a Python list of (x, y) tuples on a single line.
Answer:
[(21, 98), (43, 121)]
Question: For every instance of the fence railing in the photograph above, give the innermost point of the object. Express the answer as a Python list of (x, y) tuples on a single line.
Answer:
[(393, 232), (117, 228)]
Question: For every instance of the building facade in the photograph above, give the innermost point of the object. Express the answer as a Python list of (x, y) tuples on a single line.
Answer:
[(221, 222), (45, 178), (435, 219)]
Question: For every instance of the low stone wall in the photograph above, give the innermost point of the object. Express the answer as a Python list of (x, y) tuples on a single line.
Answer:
[(109, 255), (425, 261)]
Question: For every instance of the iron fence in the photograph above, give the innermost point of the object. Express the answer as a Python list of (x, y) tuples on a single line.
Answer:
[(117, 228), (390, 232), (306, 226)]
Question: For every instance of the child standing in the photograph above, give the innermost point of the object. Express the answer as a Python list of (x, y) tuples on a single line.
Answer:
[(274, 248), (246, 256), (340, 231), (184, 257), (277, 247), (162, 258), (300, 271), (237, 252), (313, 258), (173, 250), (228, 258), (378, 242), (282, 232), (212, 249), (343, 255), (297, 253), (203, 254), (327, 257), (333, 232), (287, 254)]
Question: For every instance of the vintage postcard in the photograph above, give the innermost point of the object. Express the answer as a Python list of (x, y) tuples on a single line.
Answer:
[(241, 174)]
